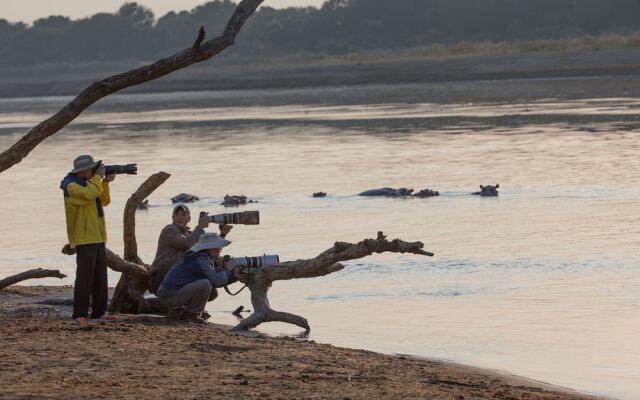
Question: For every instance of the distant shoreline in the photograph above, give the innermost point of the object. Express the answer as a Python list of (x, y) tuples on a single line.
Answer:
[(44, 346), (613, 69)]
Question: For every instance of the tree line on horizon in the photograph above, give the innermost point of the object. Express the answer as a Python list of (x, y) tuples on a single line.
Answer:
[(337, 27)]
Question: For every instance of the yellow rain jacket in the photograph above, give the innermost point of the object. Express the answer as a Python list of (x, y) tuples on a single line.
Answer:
[(83, 202)]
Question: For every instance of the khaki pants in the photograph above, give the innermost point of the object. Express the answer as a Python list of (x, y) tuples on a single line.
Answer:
[(192, 296)]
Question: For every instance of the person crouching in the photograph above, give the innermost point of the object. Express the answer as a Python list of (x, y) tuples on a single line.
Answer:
[(189, 283)]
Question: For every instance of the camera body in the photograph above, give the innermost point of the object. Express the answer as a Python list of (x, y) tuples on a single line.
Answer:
[(248, 265), (242, 218)]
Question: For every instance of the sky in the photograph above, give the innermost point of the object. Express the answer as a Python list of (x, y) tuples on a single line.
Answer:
[(30, 10)]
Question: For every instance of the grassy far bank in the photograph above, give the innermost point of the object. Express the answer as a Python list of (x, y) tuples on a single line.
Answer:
[(45, 355)]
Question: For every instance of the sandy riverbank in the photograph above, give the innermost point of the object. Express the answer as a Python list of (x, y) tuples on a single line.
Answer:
[(45, 355)]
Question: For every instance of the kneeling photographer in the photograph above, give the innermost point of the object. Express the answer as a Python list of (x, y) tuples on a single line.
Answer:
[(188, 285)]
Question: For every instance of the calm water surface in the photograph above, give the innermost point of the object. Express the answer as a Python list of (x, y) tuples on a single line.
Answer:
[(541, 282)]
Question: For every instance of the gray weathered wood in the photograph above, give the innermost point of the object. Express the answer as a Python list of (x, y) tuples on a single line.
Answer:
[(30, 274)]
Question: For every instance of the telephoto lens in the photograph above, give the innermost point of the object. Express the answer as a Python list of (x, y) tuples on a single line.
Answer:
[(241, 218), (129, 169), (247, 264)]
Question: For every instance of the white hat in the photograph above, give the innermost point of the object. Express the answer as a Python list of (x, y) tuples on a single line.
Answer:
[(209, 241), (84, 163)]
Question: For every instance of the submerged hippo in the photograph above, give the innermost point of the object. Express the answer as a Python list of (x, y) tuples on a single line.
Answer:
[(487, 191), (320, 194), (426, 193), (387, 192), (184, 198), (235, 200)]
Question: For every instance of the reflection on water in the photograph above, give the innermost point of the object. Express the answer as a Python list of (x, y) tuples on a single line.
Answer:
[(541, 282)]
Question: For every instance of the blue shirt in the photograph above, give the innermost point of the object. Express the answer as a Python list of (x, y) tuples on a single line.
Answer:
[(193, 267)]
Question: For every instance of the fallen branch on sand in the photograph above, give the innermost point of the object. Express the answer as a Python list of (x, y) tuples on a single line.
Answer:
[(31, 274)]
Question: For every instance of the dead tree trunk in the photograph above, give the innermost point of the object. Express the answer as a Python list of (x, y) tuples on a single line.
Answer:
[(128, 296), (30, 274), (324, 264), (200, 51)]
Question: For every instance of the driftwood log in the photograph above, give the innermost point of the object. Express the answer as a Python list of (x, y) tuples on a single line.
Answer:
[(200, 51), (326, 263), (31, 274), (128, 296)]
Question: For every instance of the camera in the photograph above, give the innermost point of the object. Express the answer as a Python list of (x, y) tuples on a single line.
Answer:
[(248, 264), (129, 169), (242, 218)]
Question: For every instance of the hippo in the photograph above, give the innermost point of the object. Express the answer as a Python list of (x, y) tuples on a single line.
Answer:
[(184, 198), (144, 205), (320, 194), (487, 191), (426, 193), (387, 192), (236, 200)]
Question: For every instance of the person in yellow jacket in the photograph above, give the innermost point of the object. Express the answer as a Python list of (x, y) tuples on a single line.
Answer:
[(86, 192)]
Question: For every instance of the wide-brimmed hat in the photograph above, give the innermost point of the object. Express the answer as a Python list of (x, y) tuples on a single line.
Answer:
[(209, 241), (84, 163)]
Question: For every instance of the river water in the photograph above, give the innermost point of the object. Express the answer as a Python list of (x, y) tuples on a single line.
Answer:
[(541, 282)]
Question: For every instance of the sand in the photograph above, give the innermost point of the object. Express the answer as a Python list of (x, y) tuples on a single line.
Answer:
[(46, 355)]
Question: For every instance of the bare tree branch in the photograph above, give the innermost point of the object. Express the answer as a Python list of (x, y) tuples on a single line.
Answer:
[(105, 87), (326, 263), (30, 274), (129, 229)]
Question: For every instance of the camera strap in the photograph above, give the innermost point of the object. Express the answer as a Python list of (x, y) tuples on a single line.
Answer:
[(226, 289)]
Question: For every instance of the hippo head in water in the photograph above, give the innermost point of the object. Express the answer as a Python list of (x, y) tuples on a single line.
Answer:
[(184, 198), (488, 191)]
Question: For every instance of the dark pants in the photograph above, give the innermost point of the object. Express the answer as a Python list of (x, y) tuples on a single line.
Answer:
[(91, 281)]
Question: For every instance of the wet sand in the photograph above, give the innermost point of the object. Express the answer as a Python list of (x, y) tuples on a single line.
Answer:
[(45, 355)]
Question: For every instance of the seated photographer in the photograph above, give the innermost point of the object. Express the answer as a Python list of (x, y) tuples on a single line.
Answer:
[(189, 283), (174, 240)]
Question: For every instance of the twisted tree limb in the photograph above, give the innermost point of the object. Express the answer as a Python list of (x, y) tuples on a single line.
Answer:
[(128, 296), (325, 263), (200, 51), (129, 231), (31, 274)]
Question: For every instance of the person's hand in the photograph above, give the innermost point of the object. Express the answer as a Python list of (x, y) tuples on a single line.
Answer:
[(229, 263), (237, 273), (225, 229), (203, 221), (100, 171), (109, 178)]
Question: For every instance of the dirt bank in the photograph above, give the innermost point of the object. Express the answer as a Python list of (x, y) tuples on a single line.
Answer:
[(45, 355)]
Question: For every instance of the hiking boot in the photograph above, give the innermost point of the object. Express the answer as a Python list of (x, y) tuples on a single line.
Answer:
[(205, 315), (192, 317), (81, 320), (175, 313)]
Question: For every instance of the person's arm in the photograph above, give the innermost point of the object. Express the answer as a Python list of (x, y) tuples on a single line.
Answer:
[(105, 197), (81, 195), (217, 279), (106, 194), (172, 236)]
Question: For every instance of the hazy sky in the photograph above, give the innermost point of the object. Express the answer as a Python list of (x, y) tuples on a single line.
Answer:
[(30, 10)]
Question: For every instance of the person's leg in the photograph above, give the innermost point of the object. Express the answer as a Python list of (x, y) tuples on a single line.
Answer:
[(213, 295), (85, 257), (100, 288), (193, 296)]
